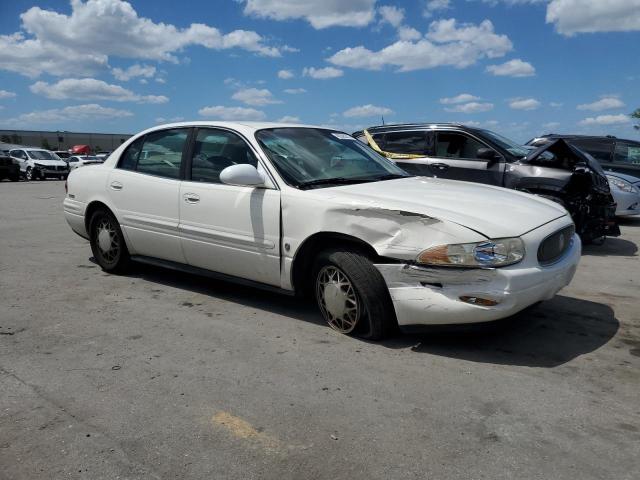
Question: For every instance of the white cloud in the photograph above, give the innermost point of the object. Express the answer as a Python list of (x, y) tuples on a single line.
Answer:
[(433, 6), (322, 73), (367, 111), (605, 103), (555, 104), (408, 34), (470, 107), (513, 68), (86, 112), (289, 119), (294, 91), (136, 70), (83, 41), (91, 89), (447, 43), (6, 94), (391, 15), (232, 113), (462, 98), (319, 13), (606, 120), (169, 120), (587, 16), (524, 104), (255, 97), (285, 74)]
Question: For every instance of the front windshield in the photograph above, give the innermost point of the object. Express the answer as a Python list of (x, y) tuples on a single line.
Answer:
[(313, 156), (42, 155), (510, 146)]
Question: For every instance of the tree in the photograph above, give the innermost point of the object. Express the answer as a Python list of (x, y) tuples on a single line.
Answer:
[(636, 115)]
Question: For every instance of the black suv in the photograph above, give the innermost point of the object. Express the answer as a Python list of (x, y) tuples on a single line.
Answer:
[(614, 154), (9, 169), (556, 170)]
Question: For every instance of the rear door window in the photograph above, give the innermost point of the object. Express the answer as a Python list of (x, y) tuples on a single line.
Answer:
[(161, 153), (412, 142), (598, 149), (627, 152)]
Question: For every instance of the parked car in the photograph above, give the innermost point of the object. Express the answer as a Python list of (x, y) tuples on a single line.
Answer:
[(614, 154), (62, 154), (620, 160), (103, 155), (557, 171), (9, 169), (309, 210), (76, 161), (38, 164)]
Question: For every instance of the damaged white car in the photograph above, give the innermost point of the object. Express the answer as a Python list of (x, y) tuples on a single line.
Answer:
[(309, 210)]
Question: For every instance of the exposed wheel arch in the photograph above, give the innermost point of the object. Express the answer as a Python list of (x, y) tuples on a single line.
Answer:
[(312, 246), (90, 210)]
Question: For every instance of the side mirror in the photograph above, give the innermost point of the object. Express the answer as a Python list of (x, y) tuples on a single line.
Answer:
[(488, 154), (242, 174)]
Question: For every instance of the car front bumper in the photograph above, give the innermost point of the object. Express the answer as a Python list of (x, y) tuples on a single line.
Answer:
[(628, 203), (432, 296)]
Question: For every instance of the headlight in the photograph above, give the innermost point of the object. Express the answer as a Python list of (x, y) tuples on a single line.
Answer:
[(492, 253), (621, 184), (37, 165)]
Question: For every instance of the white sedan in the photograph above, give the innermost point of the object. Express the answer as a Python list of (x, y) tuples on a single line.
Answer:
[(310, 210), (76, 161), (626, 192)]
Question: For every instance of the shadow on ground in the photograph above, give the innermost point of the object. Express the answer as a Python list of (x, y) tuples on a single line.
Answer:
[(547, 335), (611, 247)]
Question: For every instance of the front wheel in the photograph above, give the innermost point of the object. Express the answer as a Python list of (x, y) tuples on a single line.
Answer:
[(28, 175), (352, 295), (107, 242)]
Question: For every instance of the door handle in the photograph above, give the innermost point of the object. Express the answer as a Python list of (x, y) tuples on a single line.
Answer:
[(116, 186), (191, 198), (440, 166)]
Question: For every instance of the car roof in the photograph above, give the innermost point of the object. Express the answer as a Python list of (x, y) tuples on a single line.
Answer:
[(404, 126), (246, 127)]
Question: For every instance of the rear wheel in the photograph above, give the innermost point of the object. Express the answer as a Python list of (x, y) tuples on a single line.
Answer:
[(107, 242), (352, 295)]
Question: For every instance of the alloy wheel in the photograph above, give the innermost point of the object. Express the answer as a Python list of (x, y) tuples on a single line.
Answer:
[(107, 240), (337, 299)]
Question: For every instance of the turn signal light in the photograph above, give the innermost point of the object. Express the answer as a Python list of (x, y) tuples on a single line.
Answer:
[(484, 302)]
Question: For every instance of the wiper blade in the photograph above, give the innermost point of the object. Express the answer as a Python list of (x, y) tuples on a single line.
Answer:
[(333, 181), (391, 176)]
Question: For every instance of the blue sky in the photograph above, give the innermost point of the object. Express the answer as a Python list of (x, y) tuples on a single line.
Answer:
[(519, 67)]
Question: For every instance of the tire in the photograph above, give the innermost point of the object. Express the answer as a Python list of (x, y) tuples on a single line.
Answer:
[(103, 227), (28, 174), (344, 279)]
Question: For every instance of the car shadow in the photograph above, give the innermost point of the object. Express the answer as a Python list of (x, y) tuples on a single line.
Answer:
[(547, 335), (612, 247)]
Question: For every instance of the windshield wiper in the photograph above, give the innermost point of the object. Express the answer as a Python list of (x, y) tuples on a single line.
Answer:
[(334, 181), (391, 176)]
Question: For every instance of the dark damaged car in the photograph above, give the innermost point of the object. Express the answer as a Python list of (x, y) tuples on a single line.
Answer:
[(557, 170)]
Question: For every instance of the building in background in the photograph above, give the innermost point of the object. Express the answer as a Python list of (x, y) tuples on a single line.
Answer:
[(63, 140)]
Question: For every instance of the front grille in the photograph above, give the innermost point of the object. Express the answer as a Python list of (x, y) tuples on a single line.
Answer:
[(554, 246)]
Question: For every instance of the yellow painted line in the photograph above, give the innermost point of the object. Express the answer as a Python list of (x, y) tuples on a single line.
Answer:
[(242, 429)]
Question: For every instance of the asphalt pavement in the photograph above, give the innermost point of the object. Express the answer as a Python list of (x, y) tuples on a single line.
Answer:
[(163, 375)]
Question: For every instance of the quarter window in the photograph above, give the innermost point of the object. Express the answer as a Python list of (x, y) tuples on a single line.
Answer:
[(215, 150), (456, 145), (129, 158)]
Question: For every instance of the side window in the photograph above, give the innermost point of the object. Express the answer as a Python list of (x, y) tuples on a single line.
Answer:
[(627, 152), (129, 158), (457, 145), (406, 142), (161, 153), (215, 150), (600, 150)]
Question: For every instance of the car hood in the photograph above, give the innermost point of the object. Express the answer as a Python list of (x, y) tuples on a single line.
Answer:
[(50, 163), (491, 211)]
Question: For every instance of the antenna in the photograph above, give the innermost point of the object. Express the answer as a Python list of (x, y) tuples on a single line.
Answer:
[(382, 119)]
